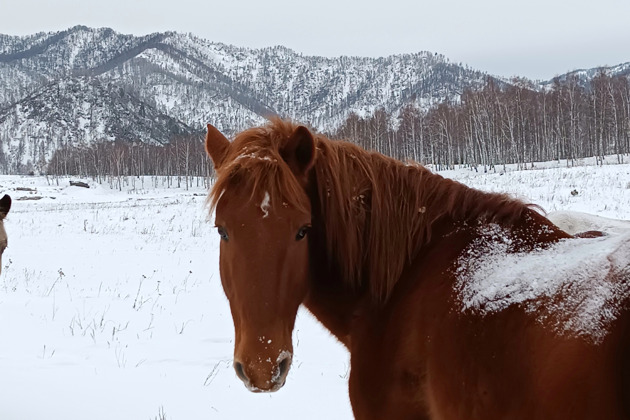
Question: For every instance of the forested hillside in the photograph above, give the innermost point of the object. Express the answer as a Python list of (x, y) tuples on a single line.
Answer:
[(93, 102)]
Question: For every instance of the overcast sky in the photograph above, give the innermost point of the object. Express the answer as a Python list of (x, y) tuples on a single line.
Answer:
[(535, 38)]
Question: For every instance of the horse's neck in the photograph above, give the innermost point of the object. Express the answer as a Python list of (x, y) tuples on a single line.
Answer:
[(529, 232), (335, 301), (336, 304), (330, 299), (533, 230), (479, 209)]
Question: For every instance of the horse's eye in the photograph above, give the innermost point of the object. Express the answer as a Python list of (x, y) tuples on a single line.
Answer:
[(222, 233), (302, 233)]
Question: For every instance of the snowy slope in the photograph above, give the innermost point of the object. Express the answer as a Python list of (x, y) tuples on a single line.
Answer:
[(111, 305)]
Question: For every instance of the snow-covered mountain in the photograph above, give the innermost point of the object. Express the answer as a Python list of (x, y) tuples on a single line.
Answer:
[(77, 111), (84, 84), (195, 80), (584, 76)]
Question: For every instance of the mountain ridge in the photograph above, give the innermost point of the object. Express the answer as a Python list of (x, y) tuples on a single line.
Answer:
[(183, 82)]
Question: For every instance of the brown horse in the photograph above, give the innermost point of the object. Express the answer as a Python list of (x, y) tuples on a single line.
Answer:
[(5, 206), (454, 303)]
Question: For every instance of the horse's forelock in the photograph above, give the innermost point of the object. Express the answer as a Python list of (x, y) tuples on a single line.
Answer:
[(254, 162)]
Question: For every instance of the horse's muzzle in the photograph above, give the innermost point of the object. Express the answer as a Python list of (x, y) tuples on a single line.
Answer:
[(278, 376)]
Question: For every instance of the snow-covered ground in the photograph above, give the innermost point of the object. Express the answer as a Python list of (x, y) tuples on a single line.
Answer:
[(111, 305)]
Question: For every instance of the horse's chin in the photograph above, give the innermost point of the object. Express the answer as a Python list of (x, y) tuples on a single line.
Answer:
[(256, 390)]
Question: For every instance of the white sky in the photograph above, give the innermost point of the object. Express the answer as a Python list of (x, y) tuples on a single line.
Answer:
[(536, 38)]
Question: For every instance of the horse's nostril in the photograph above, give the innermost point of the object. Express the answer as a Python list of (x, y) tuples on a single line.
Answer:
[(284, 366), (283, 369), (240, 372)]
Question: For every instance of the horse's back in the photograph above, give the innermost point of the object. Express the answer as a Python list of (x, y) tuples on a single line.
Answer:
[(574, 222)]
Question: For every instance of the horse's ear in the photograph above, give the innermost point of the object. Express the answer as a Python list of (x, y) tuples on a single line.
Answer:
[(299, 151), (5, 206), (217, 146)]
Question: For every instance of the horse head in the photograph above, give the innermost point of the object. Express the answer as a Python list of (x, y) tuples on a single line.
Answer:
[(263, 217)]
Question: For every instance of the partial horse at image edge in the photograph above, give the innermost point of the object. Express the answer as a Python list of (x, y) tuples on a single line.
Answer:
[(385, 254), (5, 206)]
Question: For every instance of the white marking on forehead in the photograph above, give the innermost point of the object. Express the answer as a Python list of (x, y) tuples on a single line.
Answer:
[(264, 206)]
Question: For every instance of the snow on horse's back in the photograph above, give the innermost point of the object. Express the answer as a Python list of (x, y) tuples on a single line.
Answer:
[(574, 222)]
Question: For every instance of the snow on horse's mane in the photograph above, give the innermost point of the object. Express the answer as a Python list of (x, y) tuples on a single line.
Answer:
[(577, 285)]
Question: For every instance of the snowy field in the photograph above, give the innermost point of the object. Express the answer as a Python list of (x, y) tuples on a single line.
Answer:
[(111, 305)]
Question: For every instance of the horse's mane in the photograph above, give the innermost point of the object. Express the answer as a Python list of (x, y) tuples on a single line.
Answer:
[(377, 211)]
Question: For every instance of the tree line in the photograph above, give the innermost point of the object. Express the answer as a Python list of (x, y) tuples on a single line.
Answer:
[(179, 163), (488, 127), (510, 124)]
